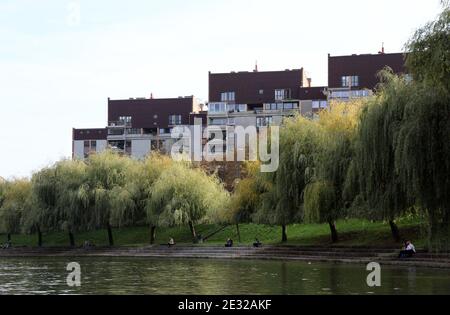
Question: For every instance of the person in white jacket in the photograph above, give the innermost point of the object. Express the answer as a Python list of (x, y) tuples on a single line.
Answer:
[(409, 250)]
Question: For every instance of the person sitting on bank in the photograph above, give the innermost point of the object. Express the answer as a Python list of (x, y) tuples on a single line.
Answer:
[(171, 242), (257, 243), (229, 243), (409, 250), (7, 245), (88, 244)]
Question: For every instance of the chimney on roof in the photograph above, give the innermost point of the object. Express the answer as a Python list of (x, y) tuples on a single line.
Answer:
[(309, 82), (151, 95), (382, 50), (256, 67)]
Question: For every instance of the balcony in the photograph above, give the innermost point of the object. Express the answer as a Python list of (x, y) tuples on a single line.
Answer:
[(346, 94), (222, 108), (218, 122), (281, 108), (119, 124), (119, 131)]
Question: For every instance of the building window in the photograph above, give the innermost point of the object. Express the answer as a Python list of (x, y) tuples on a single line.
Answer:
[(360, 93), (174, 120), (133, 131), (231, 122), (237, 108), (281, 106), (228, 97), (319, 104), (217, 107), (350, 80), (125, 119), (116, 132), (264, 121), (89, 147), (261, 92), (218, 121), (165, 131), (282, 94), (288, 106)]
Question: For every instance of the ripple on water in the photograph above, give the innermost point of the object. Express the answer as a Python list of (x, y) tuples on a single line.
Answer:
[(160, 276)]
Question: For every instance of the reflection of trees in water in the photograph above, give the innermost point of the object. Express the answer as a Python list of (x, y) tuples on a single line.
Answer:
[(334, 278), (284, 278), (111, 276), (245, 277), (161, 276), (412, 279)]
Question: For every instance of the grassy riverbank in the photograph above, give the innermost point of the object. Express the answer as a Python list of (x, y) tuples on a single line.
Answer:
[(352, 233)]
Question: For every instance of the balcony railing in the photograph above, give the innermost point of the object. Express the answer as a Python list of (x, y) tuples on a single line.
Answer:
[(119, 124), (347, 94)]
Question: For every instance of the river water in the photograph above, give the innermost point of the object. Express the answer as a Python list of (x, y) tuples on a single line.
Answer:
[(218, 277)]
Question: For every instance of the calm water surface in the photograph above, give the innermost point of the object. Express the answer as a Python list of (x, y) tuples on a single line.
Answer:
[(151, 276)]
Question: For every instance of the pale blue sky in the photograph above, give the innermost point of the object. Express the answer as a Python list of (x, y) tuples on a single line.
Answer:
[(57, 69)]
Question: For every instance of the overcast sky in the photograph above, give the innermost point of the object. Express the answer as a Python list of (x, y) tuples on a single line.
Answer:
[(60, 60)]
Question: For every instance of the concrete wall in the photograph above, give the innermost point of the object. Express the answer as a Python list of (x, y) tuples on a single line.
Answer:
[(245, 121), (101, 145), (78, 149), (306, 108), (140, 148)]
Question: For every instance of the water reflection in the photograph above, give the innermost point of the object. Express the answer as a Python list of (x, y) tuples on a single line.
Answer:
[(150, 276)]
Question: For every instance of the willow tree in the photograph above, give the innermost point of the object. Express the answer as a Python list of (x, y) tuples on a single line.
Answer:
[(245, 199), (185, 196), (43, 215), (429, 52), (15, 197), (71, 210), (102, 192), (321, 205), (32, 219), (282, 191), (324, 196), (423, 148), (2, 190), (130, 201), (59, 203), (423, 160), (381, 120)]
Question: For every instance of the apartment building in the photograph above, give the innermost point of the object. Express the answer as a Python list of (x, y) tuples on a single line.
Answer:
[(87, 141), (260, 98), (137, 126), (355, 76)]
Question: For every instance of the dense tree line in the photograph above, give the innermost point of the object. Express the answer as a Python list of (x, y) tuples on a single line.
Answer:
[(378, 158), (109, 190)]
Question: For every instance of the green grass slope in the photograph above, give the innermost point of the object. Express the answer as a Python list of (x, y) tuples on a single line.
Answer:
[(351, 232)]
